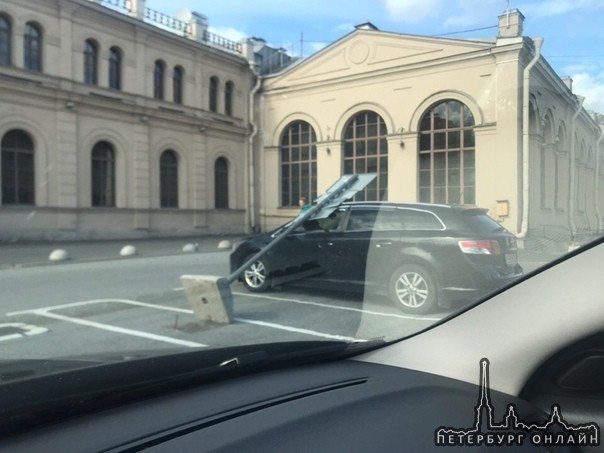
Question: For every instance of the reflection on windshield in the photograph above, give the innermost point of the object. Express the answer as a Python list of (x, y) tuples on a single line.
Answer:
[(129, 163)]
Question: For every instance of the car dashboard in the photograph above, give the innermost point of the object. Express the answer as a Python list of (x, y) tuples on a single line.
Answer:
[(338, 406)]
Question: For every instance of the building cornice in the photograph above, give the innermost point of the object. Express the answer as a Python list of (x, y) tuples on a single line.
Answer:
[(483, 54)]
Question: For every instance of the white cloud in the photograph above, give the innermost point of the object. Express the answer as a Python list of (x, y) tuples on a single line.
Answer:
[(550, 8), (460, 13), (476, 13), (316, 46), (414, 10), (592, 88), (229, 33), (344, 28), (579, 68)]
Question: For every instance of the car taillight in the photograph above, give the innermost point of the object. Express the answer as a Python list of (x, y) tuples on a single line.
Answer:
[(480, 247)]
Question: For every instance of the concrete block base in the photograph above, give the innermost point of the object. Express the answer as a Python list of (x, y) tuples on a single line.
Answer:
[(210, 297)]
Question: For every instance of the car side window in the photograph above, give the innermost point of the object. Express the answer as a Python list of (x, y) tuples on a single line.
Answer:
[(330, 223), (361, 220), (420, 220), (387, 220)]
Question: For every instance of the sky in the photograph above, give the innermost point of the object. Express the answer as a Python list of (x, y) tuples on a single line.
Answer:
[(573, 30)]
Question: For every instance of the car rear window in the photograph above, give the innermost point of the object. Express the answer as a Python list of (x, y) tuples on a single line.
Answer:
[(479, 222), (420, 220)]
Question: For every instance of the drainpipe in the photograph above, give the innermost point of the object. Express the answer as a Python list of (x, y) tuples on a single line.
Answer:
[(597, 178), (251, 169), (572, 169), (526, 138)]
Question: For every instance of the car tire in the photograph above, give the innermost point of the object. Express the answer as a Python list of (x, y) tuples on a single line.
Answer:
[(412, 289), (256, 277)]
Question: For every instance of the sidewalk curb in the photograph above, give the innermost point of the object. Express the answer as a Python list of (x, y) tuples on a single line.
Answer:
[(104, 258)]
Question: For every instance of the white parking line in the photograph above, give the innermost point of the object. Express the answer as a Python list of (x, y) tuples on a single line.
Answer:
[(297, 330), (99, 301), (45, 311), (337, 307), (110, 328), (27, 330)]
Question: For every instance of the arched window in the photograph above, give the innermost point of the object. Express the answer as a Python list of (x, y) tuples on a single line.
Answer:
[(446, 155), (32, 47), (177, 78), (221, 183), (90, 62), (366, 151), (158, 80), (298, 163), (581, 183), (561, 168), (228, 98), (547, 158), (17, 168), (5, 41), (214, 94), (168, 179), (103, 174), (115, 68)]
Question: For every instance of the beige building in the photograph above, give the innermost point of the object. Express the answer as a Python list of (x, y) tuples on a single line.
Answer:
[(439, 120), (127, 123), (119, 122)]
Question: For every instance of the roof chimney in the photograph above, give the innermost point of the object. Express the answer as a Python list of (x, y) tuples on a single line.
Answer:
[(568, 82), (510, 24)]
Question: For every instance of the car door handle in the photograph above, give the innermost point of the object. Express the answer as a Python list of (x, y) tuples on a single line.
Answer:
[(383, 244), (324, 245)]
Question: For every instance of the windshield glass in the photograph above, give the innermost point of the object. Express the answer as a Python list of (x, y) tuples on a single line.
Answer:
[(167, 167)]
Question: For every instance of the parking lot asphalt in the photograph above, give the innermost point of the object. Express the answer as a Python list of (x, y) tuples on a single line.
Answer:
[(25, 254)]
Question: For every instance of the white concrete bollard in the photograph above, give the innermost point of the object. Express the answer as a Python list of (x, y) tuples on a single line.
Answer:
[(58, 255), (128, 250), (190, 248), (223, 245)]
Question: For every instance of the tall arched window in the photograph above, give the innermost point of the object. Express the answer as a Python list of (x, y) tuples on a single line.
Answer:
[(581, 169), (115, 68), (446, 155), (547, 157), (158, 79), (366, 151), (90, 62), (298, 163), (177, 78), (221, 183), (5, 41), (228, 98), (561, 168), (214, 94), (17, 168), (168, 179), (103, 174), (32, 47)]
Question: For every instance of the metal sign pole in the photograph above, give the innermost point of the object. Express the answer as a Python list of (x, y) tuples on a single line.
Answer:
[(337, 190), (211, 297)]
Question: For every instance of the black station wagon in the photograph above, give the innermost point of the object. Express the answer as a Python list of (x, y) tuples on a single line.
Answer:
[(420, 255)]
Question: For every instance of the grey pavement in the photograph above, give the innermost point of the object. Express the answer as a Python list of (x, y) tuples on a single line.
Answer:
[(24, 254)]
